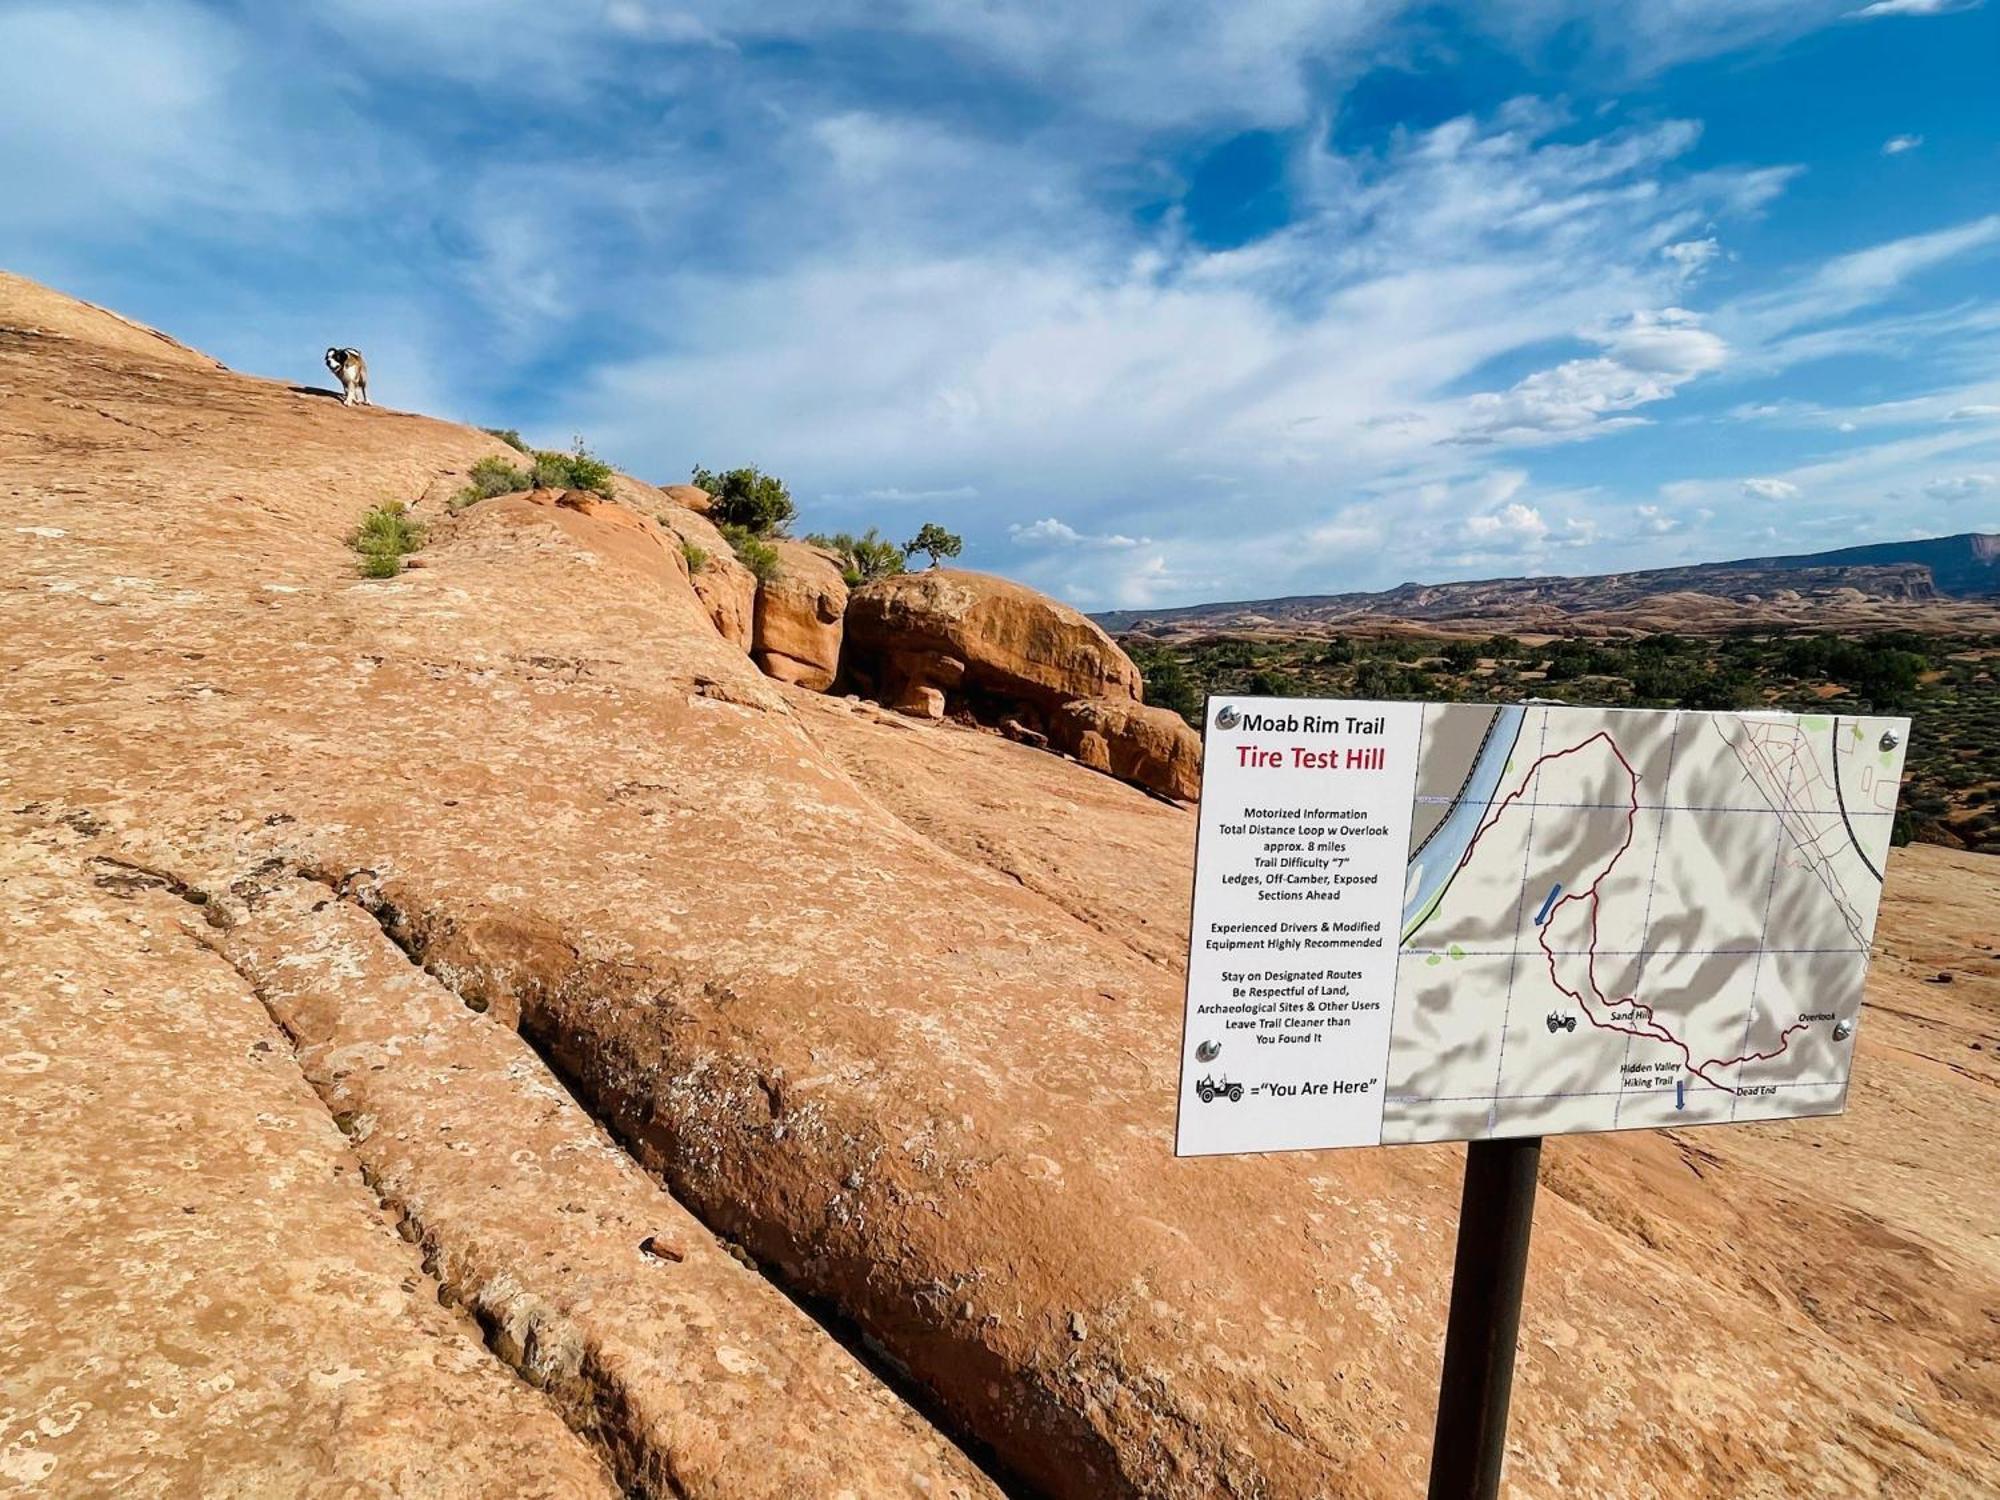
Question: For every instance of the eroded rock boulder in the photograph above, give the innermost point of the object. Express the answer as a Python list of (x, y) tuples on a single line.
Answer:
[(985, 636), (800, 610), (689, 497), (727, 589), (1135, 742)]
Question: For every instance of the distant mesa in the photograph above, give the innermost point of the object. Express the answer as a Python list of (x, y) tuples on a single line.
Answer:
[(1876, 585)]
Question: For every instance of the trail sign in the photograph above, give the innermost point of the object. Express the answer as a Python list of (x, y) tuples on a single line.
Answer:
[(1424, 922), (1454, 921)]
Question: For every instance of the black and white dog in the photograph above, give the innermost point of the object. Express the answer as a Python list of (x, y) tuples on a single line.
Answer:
[(352, 371)]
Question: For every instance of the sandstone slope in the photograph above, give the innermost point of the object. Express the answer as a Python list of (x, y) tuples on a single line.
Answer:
[(892, 1004)]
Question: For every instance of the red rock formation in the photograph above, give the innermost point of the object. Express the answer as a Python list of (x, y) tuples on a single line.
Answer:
[(799, 616), (971, 632), (1151, 747)]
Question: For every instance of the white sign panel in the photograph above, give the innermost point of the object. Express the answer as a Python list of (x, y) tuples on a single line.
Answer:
[(1428, 922)]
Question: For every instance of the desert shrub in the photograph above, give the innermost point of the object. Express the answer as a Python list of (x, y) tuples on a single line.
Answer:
[(1719, 690), (1376, 678), (756, 554), (387, 534), (697, 557), (1568, 660), (576, 470), (1226, 655), (1168, 682), (1501, 648), (933, 539), (870, 555), (508, 436), (490, 477), (1267, 683), (746, 497), (1337, 652), (1880, 667), (1461, 656)]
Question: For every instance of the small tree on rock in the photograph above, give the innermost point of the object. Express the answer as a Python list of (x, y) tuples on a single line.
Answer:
[(933, 540), (757, 502), (862, 558)]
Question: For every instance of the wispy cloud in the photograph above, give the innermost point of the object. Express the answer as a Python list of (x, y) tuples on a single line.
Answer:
[(1896, 145), (1771, 489), (1882, 8), (1962, 486), (1051, 531)]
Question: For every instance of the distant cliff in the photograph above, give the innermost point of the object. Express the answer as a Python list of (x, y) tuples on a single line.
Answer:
[(1771, 590)]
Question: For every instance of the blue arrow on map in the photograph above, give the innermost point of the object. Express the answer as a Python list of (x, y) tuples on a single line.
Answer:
[(1680, 1093), (1543, 915)]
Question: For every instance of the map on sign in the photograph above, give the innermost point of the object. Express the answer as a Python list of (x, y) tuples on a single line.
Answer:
[(1420, 922)]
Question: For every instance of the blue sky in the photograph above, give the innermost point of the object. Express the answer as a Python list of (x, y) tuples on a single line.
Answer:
[(1154, 302)]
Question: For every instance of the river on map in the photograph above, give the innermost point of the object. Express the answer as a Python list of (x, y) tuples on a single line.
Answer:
[(1432, 867)]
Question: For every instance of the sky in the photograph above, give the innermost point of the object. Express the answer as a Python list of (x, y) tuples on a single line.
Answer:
[(1153, 301)]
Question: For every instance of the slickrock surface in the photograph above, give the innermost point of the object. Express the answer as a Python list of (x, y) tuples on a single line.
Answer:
[(690, 1371), (894, 1004), (197, 1293)]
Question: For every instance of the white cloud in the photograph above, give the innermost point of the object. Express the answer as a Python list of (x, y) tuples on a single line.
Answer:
[(1512, 524), (1648, 356), (1049, 530), (1656, 522), (656, 23), (1974, 412), (1883, 8), (1691, 257), (1771, 489), (1962, 487), (1896, 145)]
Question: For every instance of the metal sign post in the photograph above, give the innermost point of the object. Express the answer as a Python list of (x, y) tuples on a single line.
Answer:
[(1483, 1328)]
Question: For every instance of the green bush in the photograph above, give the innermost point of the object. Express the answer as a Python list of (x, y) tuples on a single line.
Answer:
[(697, 557), (1168, 682), (756, 554), (870, 555), (508, 436), (387, 534), (490, 477), (1461, 656), (575, 470), (1266, 683), (757, 502)]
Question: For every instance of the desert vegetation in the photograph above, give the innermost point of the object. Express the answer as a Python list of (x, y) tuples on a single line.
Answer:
[(1949, 685), (578, 469), (747, 498), (870, 555), (387, 534), (751, 549)]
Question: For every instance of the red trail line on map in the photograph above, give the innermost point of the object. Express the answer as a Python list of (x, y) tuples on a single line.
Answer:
[(1657, 1032)]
